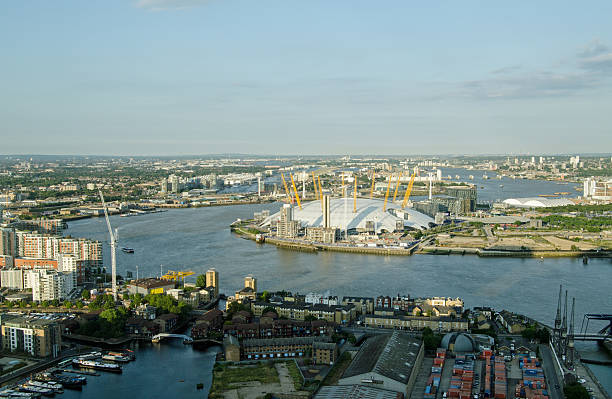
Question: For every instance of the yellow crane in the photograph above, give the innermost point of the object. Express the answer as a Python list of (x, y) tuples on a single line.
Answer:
[(355, 196), (408, 191), (387, 193), (177, 276), (289, 196), (373, 181), (297, 197), (399, 177)]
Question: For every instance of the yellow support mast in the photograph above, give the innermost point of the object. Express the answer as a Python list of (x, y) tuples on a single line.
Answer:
[(314, 182), (373, 181), (320, 192), (355, 196), (297, 197), (387, 193), (408, 191), (287, 192), (397, 186)]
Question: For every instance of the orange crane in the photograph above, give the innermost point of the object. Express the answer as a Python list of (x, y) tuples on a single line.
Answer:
[(289, 196), (297, 197), (399, 177), (373, 181), (408, 191), (355, 196), (387, 193)]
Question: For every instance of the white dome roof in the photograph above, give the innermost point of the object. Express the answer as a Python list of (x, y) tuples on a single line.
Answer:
[(342, 215), (537, 202)]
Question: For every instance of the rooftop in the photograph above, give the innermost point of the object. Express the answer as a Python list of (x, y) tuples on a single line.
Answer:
[(342, 215), (389, 355)]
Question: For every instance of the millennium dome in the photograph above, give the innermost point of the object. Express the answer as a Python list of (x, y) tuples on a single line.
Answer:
[(367, 210)]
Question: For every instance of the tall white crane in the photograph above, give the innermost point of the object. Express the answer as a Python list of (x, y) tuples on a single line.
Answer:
[(113, 245)]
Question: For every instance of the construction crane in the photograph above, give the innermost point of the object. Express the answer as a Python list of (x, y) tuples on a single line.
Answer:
[(408, 191), (177, 276), (287, 192), (297, 197), (113, 245), (355, 196), (373, 181), (387, 193), (399, 177)]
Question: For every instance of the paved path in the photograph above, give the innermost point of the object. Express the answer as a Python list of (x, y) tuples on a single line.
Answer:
[(550, 372), (419, 385)]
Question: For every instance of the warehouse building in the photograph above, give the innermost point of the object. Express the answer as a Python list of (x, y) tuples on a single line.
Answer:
[(389, 362)]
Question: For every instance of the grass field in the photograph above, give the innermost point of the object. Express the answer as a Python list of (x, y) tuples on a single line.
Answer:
[(225, 375)]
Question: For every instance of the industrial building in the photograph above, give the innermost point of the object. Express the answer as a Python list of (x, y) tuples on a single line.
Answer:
[(360, 214), (146, 286), (386, 361)]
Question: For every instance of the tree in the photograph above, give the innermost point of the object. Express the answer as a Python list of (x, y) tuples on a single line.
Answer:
[(86, 294), (79, 304), (201, 281), (310, 318), (575, 391), (67, 304), (44, 304)]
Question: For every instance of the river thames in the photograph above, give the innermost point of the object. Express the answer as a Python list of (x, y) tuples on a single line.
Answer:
[(199, 238)]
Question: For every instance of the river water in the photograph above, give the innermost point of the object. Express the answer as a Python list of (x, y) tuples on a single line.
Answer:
[(197, 239)]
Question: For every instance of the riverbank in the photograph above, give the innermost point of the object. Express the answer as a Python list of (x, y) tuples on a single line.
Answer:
[(307, 246)]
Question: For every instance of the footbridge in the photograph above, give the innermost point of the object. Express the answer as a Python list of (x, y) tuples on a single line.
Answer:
[(186, 338), (602, 334)]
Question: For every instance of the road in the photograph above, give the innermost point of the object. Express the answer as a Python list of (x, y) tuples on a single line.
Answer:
[(552, 378)]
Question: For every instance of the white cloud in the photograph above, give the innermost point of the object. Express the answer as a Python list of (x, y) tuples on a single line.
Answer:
[(591, 68)]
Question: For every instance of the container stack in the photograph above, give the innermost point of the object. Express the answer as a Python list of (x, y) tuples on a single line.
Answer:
[(487, 356), (501, 383), (433, 383), (463, 378), (533, 383)]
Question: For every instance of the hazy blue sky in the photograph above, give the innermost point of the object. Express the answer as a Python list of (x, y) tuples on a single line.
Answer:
[(305, 77)]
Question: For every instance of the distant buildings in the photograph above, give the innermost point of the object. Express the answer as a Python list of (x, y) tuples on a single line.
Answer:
[(598, 189)]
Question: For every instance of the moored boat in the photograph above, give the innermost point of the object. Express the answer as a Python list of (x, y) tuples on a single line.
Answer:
[(90, 364)]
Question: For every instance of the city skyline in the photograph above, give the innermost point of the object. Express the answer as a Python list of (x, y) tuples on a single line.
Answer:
[(181, 77)]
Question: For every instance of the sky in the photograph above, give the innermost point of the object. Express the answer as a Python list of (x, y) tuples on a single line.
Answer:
[(178, 77)]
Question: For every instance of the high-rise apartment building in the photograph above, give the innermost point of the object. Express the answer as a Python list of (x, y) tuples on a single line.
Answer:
[(212, 280), (250, 282), (286, 226), (49, 285), (43, 246), (8, 241)]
